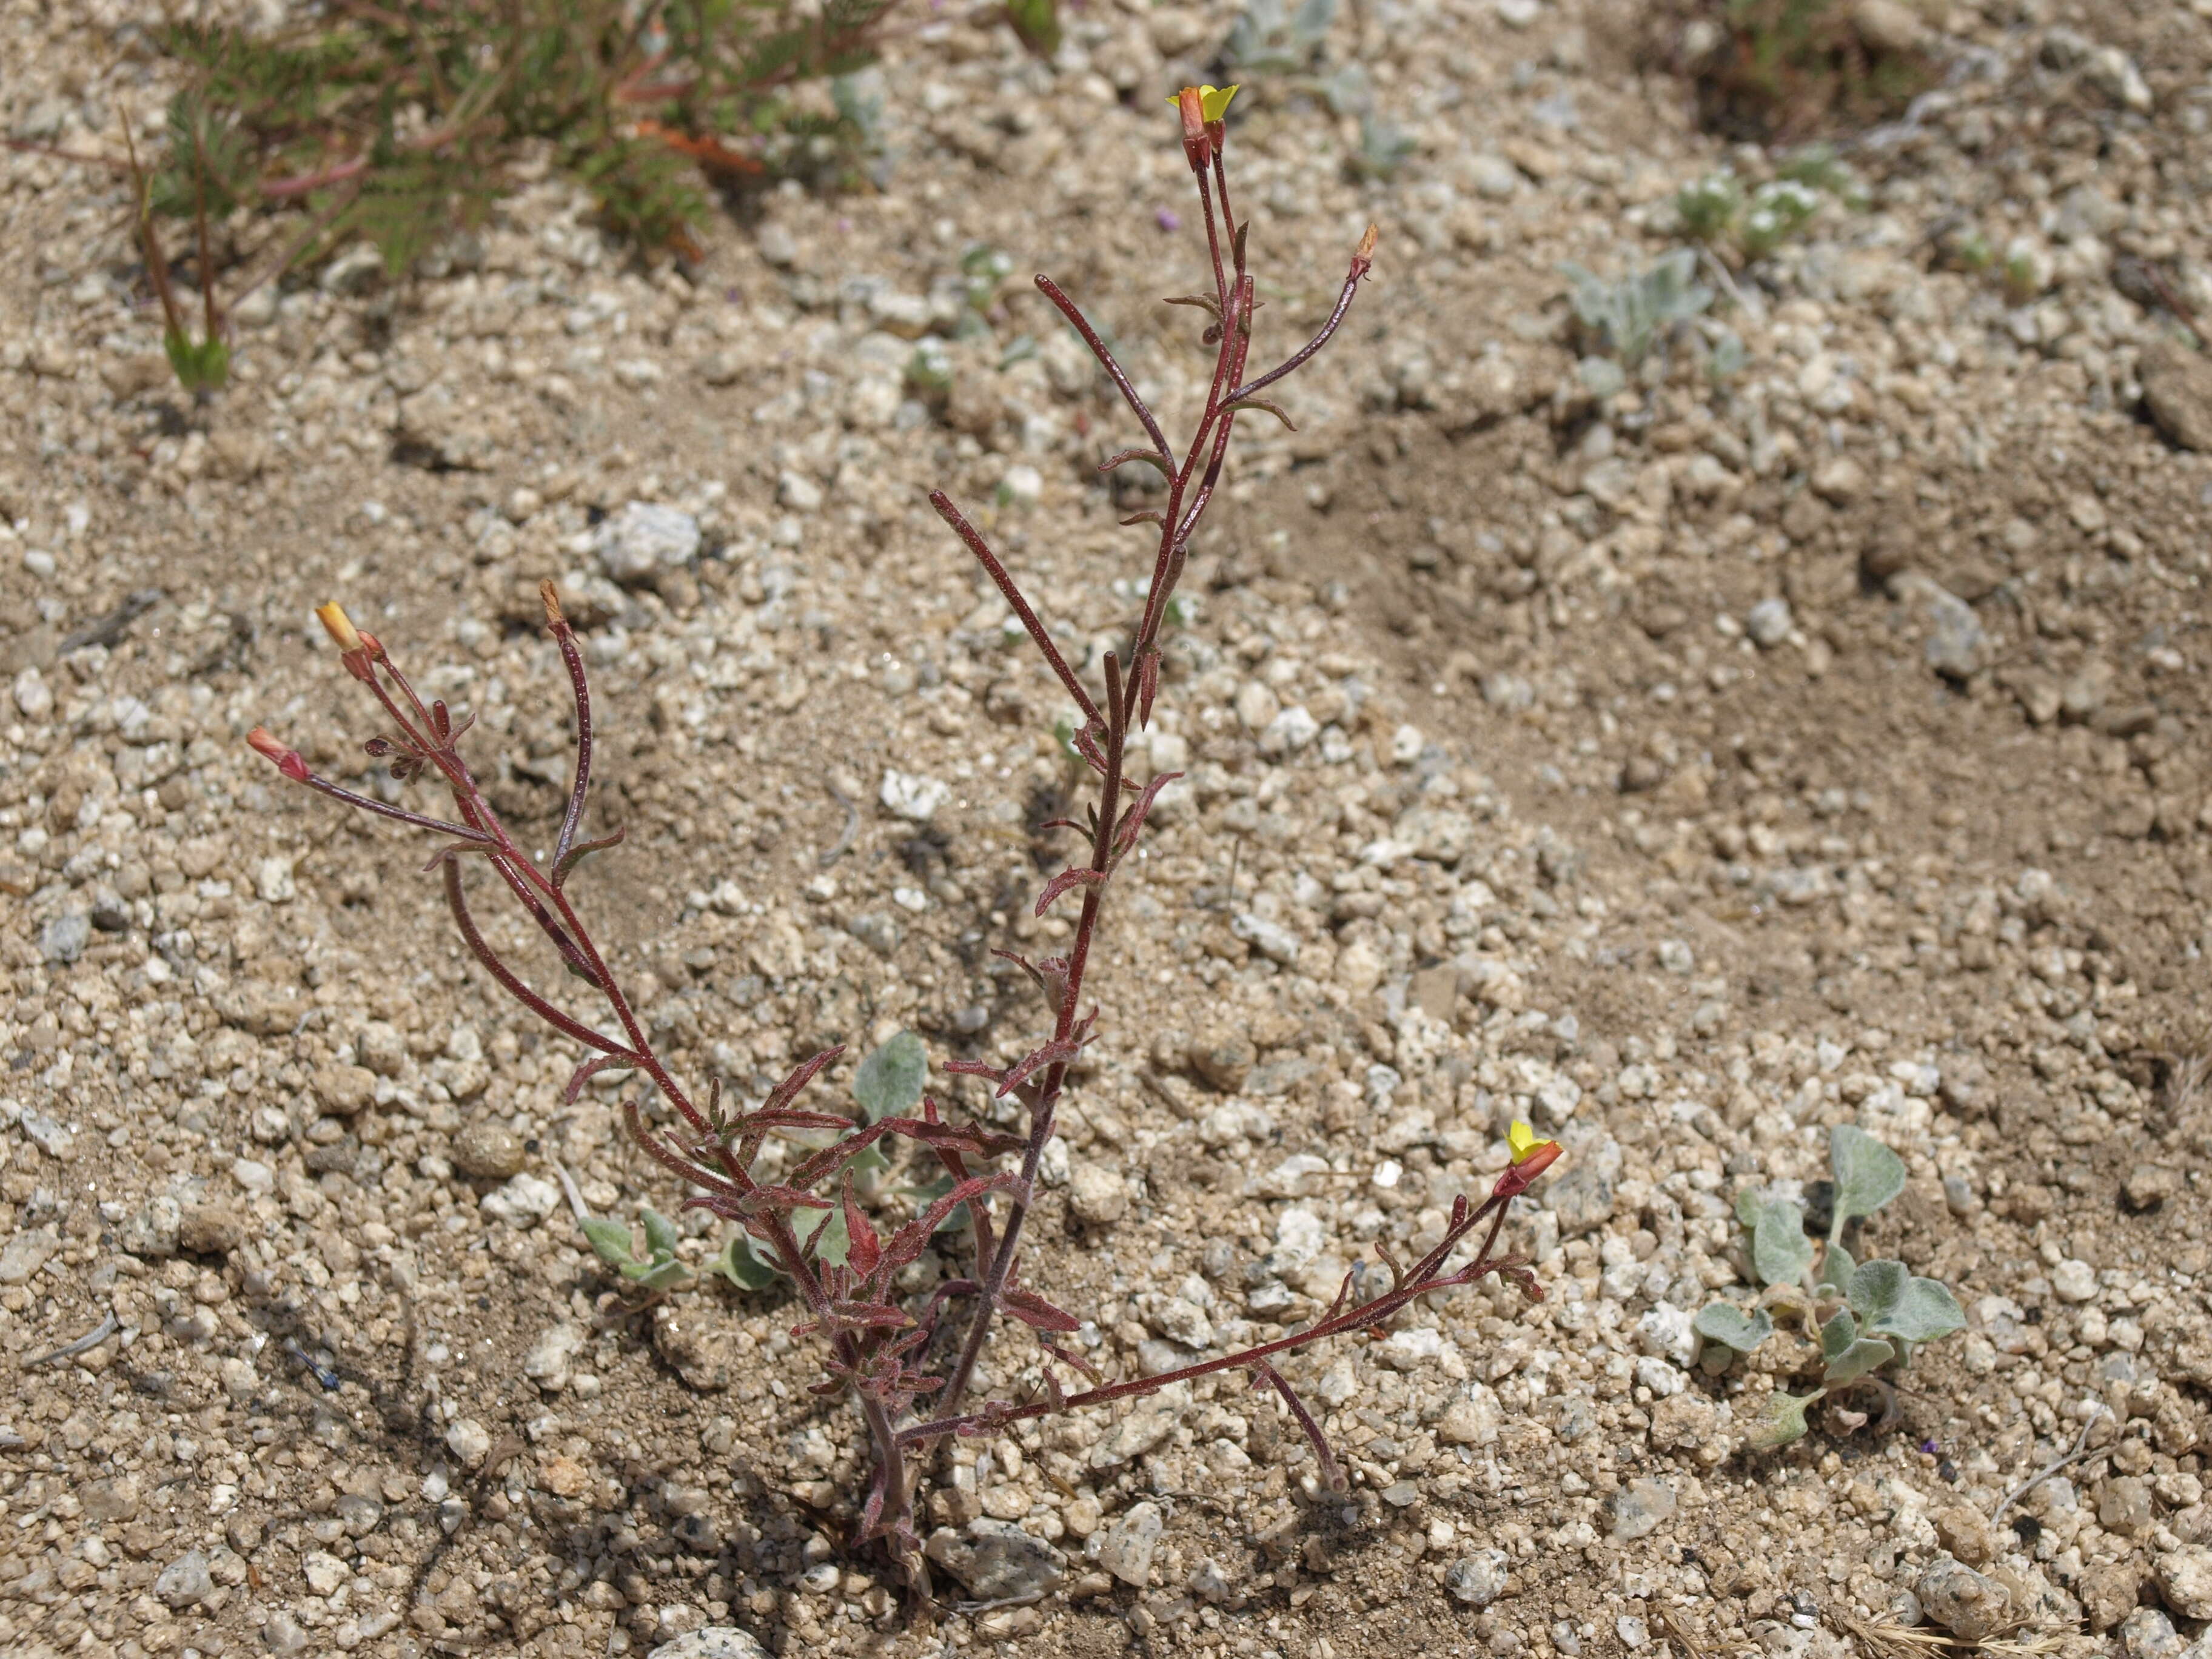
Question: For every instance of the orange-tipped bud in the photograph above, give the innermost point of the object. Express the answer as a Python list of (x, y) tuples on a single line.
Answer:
[(1363, 255), (287, 760), (338, 626), (551, 596), (1190, 104)]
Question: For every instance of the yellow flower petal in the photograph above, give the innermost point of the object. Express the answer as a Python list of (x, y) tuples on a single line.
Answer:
[(1522, 1140), (1213, 101)]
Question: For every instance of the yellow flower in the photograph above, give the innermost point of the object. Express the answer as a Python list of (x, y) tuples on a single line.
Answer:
[(1522, 1140), (1213, 101)]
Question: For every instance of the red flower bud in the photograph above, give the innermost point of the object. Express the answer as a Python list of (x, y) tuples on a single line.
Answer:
[(287, 760), (1197, 148)]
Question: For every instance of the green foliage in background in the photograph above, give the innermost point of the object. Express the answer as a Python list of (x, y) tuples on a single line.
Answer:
[(401, 121)]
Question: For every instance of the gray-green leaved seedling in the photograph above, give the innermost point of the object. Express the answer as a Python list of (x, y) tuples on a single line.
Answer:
[(1628, 315), (658, 1270), (1867, 1317)]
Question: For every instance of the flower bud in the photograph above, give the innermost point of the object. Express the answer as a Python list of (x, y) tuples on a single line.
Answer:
[(287, 760), (1363, 255), (1197, 148), (338, 626)]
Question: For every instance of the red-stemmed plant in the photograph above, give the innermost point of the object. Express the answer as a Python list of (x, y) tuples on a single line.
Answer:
[(878, 1342)]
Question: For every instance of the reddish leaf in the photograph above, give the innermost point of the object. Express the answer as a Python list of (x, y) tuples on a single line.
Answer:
[(1095, 1377), (1078, 875), (1036, 1312), (973, 1068), (911, 1240), (876, 1315), (867, 1251), (1148, 686), (1133, 821), (1086, 744), (1166, 466), (830, 1159), (783, 1201), (786, 1092), (971, 1137), (792, 1117), (1036, 1061)]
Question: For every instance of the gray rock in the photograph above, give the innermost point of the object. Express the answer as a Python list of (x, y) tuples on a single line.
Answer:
[(875, 930), (714, 1642), (361, 1514), (552, 1358), (1270, 939), (1098, 1195), (115, 1498), (1962, 1601), (2147, 1633), (998, 1561), (1642, 1507), (776, 244), (1125, 1549), (24, 1254), (1493, 177), (185, 1582), (151, 1234), (646, 537), (2184, 1578), (2177, 387), (1768, 623), (1149, 1422), (1478, 1579), (62, 940), (1954, 641), (523, 1202), (1583, 1199), (1224, 1060)]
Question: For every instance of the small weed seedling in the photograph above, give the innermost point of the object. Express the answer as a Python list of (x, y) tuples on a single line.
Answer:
[(1866, 1316), (1625, 318), (1715, 211), (811, 1217)]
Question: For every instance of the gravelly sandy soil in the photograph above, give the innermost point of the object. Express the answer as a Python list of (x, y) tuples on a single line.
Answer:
[(1691, 771)]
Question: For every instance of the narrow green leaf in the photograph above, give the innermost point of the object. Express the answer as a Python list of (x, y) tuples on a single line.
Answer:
[(1782, 1421), (1730, 1326), (1779, 1249), (1867, 1174), (610, 1240), (888, 1082), (1863, 1355)]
